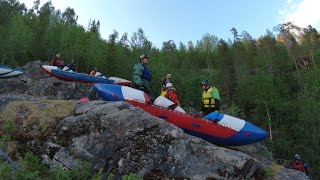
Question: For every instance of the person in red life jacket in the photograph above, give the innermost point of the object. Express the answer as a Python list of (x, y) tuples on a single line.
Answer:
[(170, 94), (57, 61), (210, 99), (94, 71), (299, 164)]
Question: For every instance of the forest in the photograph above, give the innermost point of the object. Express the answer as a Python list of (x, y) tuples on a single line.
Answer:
[(272, 81)]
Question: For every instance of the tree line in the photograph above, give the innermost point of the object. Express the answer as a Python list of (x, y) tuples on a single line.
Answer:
[(272, 81)]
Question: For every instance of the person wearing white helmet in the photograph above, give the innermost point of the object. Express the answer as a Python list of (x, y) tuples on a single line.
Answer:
[(170, 94)]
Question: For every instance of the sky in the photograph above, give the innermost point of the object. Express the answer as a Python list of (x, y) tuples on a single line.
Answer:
[(190, 20)]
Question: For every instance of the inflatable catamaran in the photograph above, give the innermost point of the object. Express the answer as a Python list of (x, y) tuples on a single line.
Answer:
[(80, 77), (227, 130), (8, 72)]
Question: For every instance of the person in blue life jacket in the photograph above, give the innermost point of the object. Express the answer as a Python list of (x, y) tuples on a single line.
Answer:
[(299, 164), (142, 75), (210, 99)]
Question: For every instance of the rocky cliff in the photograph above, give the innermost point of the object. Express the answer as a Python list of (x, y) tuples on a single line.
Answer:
[(115, 136)]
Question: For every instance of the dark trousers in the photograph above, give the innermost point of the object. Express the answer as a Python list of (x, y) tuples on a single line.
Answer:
[(207, 111)]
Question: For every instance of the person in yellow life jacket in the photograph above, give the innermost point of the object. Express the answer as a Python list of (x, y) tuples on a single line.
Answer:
[(210, 99), (164, 82), (170, 94)]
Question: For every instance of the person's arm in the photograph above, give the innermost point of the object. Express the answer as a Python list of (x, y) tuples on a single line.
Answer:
[(305, 165), (164, 93), (217, 104), (216, 97), (290, 166), (163, 83), (137, 72)]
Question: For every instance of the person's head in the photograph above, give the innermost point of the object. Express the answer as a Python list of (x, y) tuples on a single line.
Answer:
[(58, 56), (205, 84), (296, 157), (169, 76), (169, 86), (144, 58)]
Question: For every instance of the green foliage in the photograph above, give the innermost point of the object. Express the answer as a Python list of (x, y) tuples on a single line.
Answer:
[(31, 167), (131, 176), (7, 128), (273, 169), (60, 173), (5, 171)]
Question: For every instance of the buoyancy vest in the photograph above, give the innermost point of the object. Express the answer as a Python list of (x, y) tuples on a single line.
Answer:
[(207, 99), (172, 96), (298, 166), (146, 74)]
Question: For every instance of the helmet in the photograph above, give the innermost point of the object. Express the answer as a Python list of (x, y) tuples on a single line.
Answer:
[(297, 157), (142, 56), (205, 82), (168, 85), (58, 55), (169, 75)]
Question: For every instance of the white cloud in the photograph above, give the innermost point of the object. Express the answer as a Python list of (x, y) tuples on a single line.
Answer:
[(302, 13)]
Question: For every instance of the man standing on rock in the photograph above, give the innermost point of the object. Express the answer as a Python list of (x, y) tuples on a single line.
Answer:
[(142, 75)]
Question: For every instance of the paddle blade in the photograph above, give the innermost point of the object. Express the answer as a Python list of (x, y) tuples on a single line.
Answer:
[(84, 99)]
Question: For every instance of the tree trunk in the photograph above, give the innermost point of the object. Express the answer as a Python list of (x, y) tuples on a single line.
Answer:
[(269, 120), (292, 56), (3, 59)]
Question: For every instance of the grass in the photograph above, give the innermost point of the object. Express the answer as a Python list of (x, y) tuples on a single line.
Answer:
[(273, 169), (22, 120), (40, 115)]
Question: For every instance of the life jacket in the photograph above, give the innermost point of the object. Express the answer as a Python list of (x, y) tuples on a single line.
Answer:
[(172, 96), (207, 99), (298, 166), (146, 74), (57, 62)]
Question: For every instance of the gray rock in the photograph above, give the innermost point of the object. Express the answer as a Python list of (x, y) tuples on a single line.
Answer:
[(291, 174), (126, 139)]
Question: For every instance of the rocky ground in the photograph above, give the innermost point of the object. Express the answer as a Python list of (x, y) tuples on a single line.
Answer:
[(115, 136)]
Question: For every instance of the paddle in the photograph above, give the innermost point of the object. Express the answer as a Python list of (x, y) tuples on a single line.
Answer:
[(86, 98), (173, 106)]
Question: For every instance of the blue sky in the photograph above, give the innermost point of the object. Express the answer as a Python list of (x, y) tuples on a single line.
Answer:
[(183, 20)]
